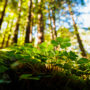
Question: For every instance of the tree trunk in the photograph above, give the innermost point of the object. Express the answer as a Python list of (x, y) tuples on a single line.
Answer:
[(28, 38), (50, 24), (40, 24), (54, 20), (54, 26), (15, 39), (3, 44), (77, 34), (3, 13), (9, 35)]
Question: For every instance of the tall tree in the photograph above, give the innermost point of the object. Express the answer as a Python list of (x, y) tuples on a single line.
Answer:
[(3, 13), (55, 6), (77, 33), (54, 20), (9, 34), (4, 36), (15, 39), (40, 22), (50, 24), (28, 38)]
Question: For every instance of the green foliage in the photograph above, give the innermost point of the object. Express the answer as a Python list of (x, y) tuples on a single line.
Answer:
[(4, 81), (3, 68), (25, 76), (63, 42), (29, 76), (83, 61), (67, 66), (30, 62), (72, 56)]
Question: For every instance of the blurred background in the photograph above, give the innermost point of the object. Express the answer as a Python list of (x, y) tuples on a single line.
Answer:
[(37, 21)]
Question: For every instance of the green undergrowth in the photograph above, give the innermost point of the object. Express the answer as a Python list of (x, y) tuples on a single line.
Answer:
[(43, 67)]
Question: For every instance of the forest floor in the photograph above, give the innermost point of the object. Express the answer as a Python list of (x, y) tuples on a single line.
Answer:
[(25, 68)]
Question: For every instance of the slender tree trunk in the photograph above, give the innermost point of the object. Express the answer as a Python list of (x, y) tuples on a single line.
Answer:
[(77, 34), (54, 26), (3, 44), (50, 24), (40, 24), (9, 35), (40, 29), (3, 13), (54, 19), (15, 39), (4, 37), (28, 38), (7, 43)]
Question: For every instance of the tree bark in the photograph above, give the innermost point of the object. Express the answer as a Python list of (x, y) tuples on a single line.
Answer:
[(15, 39), (54, 26), (40, 24), (3, 44), (9, 35), (54, 21), (3, 13), (28, 38), (50, 24), (77, 34)]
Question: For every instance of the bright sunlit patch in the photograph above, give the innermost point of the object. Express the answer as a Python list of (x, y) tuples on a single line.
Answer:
[(5, 50), (22, 13), (39, 1), (39, 15), (11, 14), (33, 5), (39, 34), (4, 25), (1, 8)]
